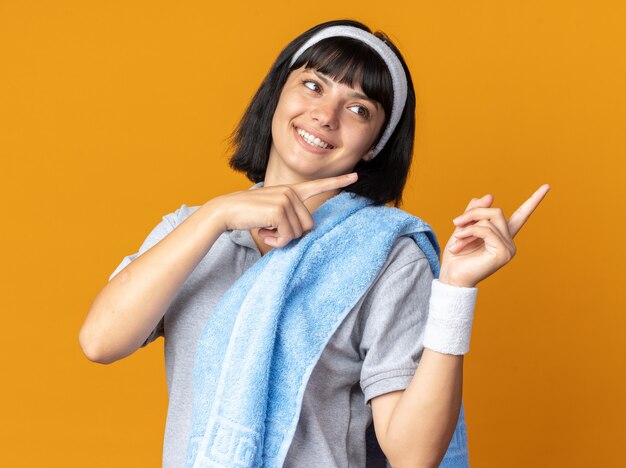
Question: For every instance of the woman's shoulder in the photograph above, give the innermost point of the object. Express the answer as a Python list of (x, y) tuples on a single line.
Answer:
[(404, 251), (406, 261)]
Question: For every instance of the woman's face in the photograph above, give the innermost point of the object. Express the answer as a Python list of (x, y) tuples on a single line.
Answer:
[(321, 128)]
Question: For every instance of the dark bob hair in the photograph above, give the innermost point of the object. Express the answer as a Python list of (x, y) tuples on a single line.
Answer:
[(382, 178)]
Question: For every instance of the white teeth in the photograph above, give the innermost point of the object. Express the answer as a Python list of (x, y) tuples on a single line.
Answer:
[(313, 140)]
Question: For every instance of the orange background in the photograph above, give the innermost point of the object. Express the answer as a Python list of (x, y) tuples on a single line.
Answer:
[(114, 113)]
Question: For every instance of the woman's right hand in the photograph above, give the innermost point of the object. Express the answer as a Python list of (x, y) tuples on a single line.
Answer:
[(278, 211)]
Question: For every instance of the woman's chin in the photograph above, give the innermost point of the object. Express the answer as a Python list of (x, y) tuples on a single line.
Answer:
[(302, 167), (307, 170)]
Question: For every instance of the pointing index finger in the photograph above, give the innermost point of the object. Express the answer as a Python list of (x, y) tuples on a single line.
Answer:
[(306, 190), (521, 215)]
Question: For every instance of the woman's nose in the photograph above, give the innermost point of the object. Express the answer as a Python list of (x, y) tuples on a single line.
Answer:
[(326, 114)]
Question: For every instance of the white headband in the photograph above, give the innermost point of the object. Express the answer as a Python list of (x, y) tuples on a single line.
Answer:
[(398, 77)]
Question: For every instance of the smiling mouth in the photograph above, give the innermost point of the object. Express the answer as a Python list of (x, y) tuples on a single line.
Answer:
[(313, 140)]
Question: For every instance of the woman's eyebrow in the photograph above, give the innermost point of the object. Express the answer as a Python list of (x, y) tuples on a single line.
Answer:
[(353, 94)]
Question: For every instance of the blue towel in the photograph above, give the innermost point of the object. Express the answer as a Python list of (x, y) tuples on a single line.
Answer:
[(265, 336)]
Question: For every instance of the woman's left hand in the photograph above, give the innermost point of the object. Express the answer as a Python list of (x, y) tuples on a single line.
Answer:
[(483, 241)]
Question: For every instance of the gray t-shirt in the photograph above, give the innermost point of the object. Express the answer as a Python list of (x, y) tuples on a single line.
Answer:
[(374, 351)]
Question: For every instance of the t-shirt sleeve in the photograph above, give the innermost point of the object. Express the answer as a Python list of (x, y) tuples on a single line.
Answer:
[(395, 314), (167, 225)]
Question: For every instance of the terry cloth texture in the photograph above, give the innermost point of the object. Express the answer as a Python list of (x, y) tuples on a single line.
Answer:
[(378, 345), (268, 331)]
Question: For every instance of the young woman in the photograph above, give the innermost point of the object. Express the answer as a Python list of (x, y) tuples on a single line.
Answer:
[(307, 252)]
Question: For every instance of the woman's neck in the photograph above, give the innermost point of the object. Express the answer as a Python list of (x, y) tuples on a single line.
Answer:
[(312, 203)]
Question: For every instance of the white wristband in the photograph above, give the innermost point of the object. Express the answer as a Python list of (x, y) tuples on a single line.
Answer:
[(450, 316)]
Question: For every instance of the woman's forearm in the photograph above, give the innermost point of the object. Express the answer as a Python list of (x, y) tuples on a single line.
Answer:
[(424, 419), (425, 416)]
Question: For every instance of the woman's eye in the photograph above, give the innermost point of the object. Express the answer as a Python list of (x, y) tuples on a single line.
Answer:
[(361, 110), (312, 85)]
